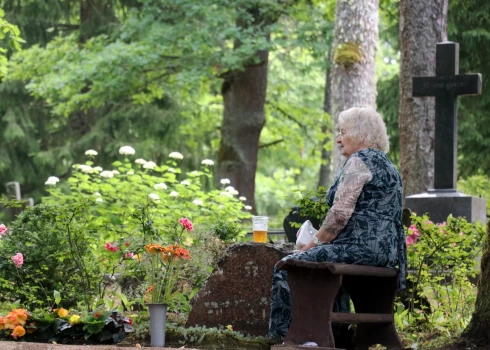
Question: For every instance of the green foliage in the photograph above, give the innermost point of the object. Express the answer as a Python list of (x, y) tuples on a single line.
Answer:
[(54, 248), (227, 231), (214, 338), (312, 204), (9, 37), (442, 259), (477, 185)]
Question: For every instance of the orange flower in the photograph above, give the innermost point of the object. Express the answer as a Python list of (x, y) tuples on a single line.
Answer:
[(62, 312), (154, 248), (21, 315), (149, 290), (2, 324), (18, 332)]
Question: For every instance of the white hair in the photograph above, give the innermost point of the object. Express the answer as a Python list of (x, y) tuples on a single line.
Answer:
[(366, 126)]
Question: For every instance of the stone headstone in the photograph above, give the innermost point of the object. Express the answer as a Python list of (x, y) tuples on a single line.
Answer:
[(446, 86), (238, 293), (13, 192)]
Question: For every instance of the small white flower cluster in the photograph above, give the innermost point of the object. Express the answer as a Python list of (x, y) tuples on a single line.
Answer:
[(194, 173), (225, 181), (207, 162), (149, 165), (225, 194), (171, 170), (197, 202), (232, 190), (52, 181), (185, 183), (248, 207), (173, 194), (160, 186), (154, 197), (91, 152), (243, 199), (107, 174), (140, 161), (176, 155), (127, 150)]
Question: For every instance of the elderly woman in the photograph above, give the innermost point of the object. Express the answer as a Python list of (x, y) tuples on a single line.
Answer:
[(363, 225)]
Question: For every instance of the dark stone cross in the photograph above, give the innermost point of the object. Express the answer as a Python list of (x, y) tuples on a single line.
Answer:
[(446, 86)]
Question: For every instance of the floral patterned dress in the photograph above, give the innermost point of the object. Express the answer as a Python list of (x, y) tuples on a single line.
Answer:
[(365, 213)]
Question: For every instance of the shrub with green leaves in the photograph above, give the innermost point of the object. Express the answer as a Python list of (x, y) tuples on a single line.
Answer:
[(442, 261), (54, 249), (91, 229)]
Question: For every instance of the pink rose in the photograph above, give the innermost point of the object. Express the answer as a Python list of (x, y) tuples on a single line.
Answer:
[(414, 230), (187, 224), (409, 240), (18, 260), (3, 230), (128, 255)]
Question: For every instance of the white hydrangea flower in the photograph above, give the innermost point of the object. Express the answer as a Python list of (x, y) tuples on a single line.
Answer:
[(226, 194), (83, 168), (97, 168), (154, 196), (197, 202), (225, 181), (160, 186), (243, 199), (52, 180), (233, 192), (176, 155), (91, 152), (149, 165), (230, 188), (171, 170), (116, 172), (107, 174), (99, 200), (127, 150), (140, 161), (185, 183), (173, 194), (207, 162), (96, 193), (248, 207), (130, 172)]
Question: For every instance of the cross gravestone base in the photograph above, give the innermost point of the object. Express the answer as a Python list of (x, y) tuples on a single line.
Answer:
[(439, 204)]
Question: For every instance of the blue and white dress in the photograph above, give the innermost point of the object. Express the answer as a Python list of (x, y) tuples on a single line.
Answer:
[(365, 214)]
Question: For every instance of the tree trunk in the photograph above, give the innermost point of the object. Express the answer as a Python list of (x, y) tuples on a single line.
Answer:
[(479, 328), (244, 94), (422, 25), (353, 60), (325, 172)]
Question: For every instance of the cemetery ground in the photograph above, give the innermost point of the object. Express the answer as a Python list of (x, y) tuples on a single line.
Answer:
[(80, 267)]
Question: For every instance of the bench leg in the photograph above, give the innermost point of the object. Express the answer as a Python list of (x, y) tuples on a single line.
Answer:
[(373, 295), (312, 293)]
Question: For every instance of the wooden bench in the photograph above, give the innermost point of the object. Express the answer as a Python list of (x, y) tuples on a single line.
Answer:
[(313, 289)]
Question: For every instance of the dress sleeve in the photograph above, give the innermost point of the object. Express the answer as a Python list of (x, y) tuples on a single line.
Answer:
[(354, 176)]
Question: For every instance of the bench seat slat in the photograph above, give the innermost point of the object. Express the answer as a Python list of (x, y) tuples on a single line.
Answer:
[(361, 318), (340, 269)]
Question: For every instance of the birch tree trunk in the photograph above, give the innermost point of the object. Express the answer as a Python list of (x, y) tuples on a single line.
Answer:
[(422, 25), (353, 60), (244, 94), (325, 171)]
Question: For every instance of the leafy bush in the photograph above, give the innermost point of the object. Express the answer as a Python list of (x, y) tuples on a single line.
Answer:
[(442, 260), (56, 254), (92, 229)]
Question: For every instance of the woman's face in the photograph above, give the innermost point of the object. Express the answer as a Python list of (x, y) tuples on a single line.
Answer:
[(347, 145)]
